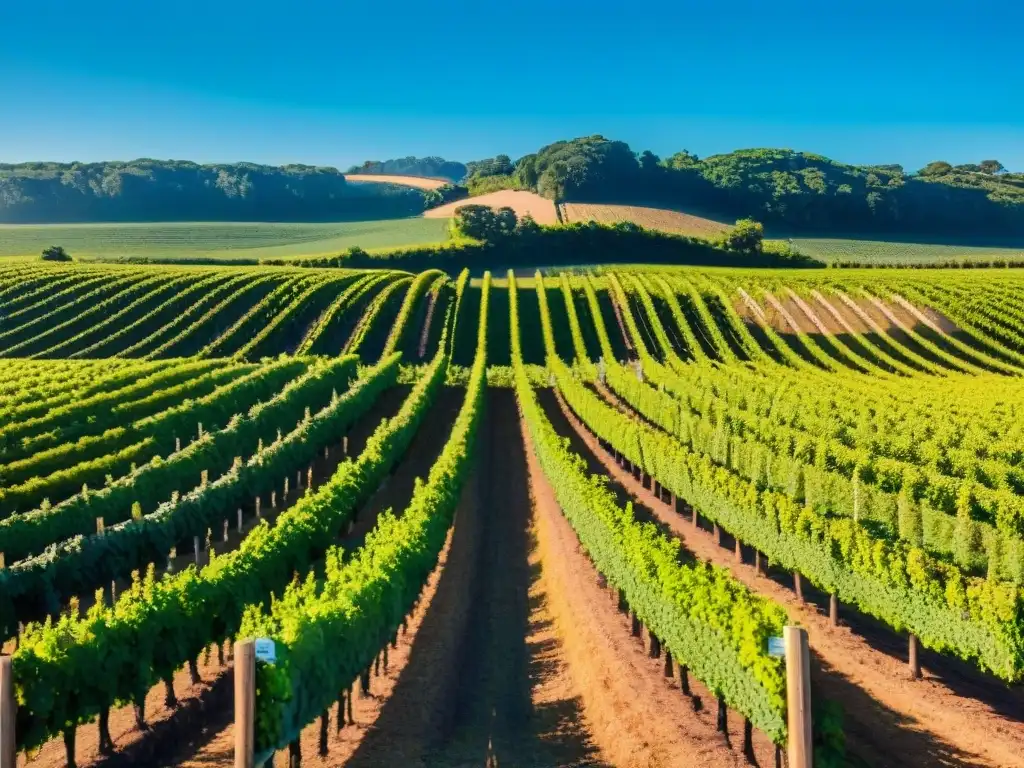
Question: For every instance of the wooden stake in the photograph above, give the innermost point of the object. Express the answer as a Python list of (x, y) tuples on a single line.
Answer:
[(739, 552), (723, 718), (915, 662), (245, 703), (8, 751), (757, 562), (344, 445), (195, 545), (748, 740), (833, 610), (718, 534), (258, 515), (798, 586), (324, 718), (99, 525), (273, 499), (798, 696), (225, 537), (239, 516)]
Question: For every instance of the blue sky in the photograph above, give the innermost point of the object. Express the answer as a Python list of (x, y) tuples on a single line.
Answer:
[(334, 83)]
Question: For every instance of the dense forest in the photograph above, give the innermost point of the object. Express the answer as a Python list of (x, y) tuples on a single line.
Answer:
[(796, 191), (431, 167), (159, 190)]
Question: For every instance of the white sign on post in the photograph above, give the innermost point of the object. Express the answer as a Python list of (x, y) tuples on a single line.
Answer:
[(265, 650), (776, 647)]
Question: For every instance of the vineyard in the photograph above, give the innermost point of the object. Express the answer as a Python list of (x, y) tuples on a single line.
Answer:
[(568, 518)]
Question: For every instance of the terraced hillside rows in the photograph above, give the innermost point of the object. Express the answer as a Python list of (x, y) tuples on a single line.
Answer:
[(512, 520)]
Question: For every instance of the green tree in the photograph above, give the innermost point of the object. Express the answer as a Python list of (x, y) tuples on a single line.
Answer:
[(747, 236), (938, 168), (484, 223), (55, 253), (991, 166)]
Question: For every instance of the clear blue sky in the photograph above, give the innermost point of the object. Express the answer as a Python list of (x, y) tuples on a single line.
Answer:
[(336, 82)]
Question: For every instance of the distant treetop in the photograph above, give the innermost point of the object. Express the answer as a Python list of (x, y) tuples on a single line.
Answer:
[(431, 167)]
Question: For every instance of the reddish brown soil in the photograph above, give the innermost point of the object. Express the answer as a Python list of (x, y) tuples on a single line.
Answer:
[(485, 685), (889, 719), (640, 716)]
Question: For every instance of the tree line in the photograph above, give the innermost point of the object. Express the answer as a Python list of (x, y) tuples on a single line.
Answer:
[(159, 190)]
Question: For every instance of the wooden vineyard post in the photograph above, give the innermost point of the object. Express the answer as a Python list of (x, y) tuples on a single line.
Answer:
[(915, 662), (344, 446), (798, 697), (99, 525), (8, 751), (798, 586), (239, 515), (245, 703), (195, 546), (833, 610), (739, 552)]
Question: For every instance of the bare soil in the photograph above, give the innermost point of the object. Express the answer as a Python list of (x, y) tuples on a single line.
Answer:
[(652, 218), (639, 715), (523, 203), (420, 182), (890, 720)]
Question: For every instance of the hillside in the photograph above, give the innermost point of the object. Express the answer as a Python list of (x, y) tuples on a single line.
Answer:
[(796, 191), (170, 190), (522, 202), (661, 219)]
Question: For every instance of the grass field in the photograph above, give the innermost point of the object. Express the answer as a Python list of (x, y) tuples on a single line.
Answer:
[(833, 250), (222, 240)]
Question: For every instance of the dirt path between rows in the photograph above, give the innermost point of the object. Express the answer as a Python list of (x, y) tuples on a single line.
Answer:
[(890, 720), (640, 715), (485, 684), (216, 745)]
